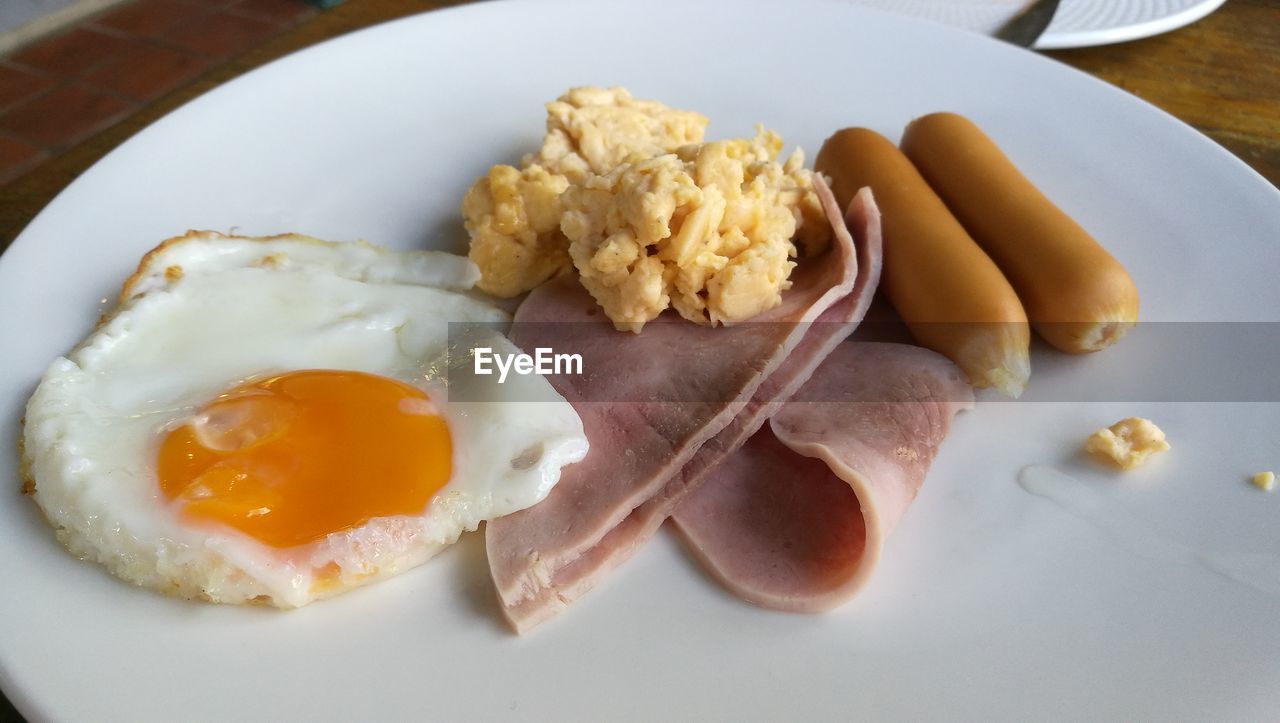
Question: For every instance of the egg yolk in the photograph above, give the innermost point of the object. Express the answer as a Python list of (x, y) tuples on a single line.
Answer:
[(293, 458)]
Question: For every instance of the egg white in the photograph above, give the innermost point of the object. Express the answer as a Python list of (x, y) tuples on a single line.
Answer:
[(227, 314)]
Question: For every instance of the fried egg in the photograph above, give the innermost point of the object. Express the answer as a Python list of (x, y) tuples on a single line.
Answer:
[(268, 420)]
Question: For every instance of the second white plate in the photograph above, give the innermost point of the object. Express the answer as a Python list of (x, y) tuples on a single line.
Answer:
[(1078, 23)]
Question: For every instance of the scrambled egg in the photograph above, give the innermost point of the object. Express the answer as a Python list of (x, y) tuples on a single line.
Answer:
[(707, 230), (624, 191), (513, 217), (1128, 443), (513, 214), (595, 130), (1265, 481)]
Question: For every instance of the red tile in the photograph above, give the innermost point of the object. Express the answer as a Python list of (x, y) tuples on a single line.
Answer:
[(17, 85), (221, 34), (63, 116), (281, 12), (14, 173), (146, 73), (16, 158), (149, 18), (73, 52)]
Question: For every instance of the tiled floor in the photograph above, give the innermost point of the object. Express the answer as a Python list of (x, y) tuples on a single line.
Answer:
[(16, 13), (63, 88)]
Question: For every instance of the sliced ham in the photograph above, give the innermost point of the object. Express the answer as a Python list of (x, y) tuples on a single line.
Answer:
[(796, 519), (661, 409)]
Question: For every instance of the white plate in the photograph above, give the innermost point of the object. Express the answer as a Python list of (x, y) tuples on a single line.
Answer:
[(990, 602), (1078, 23)]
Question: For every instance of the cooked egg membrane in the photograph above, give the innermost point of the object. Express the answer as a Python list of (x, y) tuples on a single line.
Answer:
[(208, 252), (206, 314)]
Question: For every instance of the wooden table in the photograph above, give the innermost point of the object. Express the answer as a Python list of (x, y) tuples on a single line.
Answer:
[(1221, 75)]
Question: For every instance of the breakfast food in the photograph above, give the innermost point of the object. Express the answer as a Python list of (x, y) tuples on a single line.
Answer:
[(707, 230), (513, 214), (951, 295), (1077, 296), (624, 192), (1128, 443), (796, 519), (1265, 481), (265, 420), (650, 453)]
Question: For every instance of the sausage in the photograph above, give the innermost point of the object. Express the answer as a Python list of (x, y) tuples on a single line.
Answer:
[(1077, 296), (951, 295)]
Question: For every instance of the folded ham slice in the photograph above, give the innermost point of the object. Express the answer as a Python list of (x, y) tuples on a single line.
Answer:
[(657, 427), (796, 519)]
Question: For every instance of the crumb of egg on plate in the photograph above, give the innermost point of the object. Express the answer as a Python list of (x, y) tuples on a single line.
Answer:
[(1265, 481), (1128, 443), (628, 194), (263, 420)]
